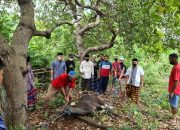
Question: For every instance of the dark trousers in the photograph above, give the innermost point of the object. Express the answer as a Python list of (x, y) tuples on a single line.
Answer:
[(85, 84), (103, 83)]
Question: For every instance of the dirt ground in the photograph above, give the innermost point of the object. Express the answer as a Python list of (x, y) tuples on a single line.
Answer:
[(39, 121)]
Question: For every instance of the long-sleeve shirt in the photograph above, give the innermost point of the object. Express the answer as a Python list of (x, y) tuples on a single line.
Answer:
[(87, 69)]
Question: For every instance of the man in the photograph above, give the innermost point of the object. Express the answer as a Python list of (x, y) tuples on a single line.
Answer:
[(62, 84), (2, 124), (70, 65), (105, 71), (58, 67), (135, 76), (95, 77), (87, 71), (116, 68), (174, 83), (121, 61)]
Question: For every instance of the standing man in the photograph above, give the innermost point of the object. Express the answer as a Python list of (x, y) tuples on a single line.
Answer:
[(58, 67), (174, 83), (87, 71), (121, 61), (105, 71), (135, 75), (2, 124), (70, 65), (116, 71), (95, 77)]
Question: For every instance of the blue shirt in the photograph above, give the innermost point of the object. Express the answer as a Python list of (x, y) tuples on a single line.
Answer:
[(2, 124), (59, 68)]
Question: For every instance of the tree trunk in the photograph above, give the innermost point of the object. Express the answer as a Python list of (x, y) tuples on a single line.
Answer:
[(15, 96)]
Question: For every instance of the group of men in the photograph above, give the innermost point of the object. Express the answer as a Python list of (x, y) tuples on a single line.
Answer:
[(63, 78), (95, 76)]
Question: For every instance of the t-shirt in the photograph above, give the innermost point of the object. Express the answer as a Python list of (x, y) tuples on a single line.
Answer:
[(116, 68), (175, 75), (63, 81), (70, 65), (87, 69), (95, 68), (2, 124), (105, 68), (135, 74), (59, 68)]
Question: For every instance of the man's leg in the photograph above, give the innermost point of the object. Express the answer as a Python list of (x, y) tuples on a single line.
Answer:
[(135, 94), (88, 84), (100, 84), (128, 91), (105, 83), (50, 94), (174, 104), (83, 85)]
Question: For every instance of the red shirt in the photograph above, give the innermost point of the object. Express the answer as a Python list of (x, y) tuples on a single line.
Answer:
[(175, 75), (105, 68), (62, 81)]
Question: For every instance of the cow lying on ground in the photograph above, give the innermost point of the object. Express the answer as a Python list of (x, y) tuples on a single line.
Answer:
[(87, 104)]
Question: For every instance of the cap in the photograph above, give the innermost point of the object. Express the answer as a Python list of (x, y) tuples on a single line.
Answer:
[(121, 58), (72, 73)]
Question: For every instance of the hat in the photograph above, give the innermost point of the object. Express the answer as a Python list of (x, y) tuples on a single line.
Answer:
[(93, 55), (121, 58), (72, 73), (60, 54)]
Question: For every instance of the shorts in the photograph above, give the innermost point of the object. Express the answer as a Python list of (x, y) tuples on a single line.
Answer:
[(174, 101)]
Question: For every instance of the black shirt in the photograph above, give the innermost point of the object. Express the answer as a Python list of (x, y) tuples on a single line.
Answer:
[(70, 65), (96, 67)]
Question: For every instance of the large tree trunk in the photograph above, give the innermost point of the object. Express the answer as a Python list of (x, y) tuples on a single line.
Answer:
[(15, 96)]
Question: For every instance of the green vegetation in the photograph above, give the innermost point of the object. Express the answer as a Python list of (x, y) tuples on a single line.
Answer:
[(148, 30)]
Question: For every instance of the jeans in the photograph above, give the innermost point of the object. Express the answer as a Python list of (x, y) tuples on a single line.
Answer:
[(103, 83)]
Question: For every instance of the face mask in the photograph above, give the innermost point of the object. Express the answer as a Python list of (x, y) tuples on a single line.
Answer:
[(71, 59), (115, 59), (87, 59), (134, 65)]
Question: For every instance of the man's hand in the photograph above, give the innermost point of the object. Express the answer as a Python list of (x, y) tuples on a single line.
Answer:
[(67, 99), (171, 95), (52, 79)]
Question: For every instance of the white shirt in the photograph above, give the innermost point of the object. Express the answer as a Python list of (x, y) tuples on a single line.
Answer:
[(139, 73), (87, 69)]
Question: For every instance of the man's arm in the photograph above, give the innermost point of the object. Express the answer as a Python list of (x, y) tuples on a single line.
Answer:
[(52, 75), (92, 69), (142, 80), (128, 75), (52, 71), (69, 93), (63, 92), (122, 73), (81, 67)]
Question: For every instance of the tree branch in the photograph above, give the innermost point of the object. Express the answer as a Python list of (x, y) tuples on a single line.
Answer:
[(90, 25), (100, 13), (47, 33), (103, 46)]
